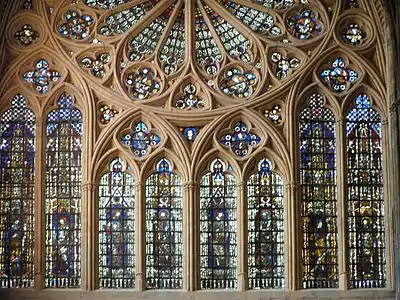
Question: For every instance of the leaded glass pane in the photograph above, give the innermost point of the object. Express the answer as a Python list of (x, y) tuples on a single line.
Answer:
[(164, 251), (63, 195), (117, 228), (17, 159), (265, 228), (218, 228), (366, 226), (319, 196)]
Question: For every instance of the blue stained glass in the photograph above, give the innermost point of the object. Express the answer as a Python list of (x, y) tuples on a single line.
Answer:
[(164, 250), (318, 188), (17, 160), (218, 228), (63, 195), (190, 133), (240, 140), (338, 77), (117, 228), (140, 140), (265, 228), (366, 224), (41, 77)]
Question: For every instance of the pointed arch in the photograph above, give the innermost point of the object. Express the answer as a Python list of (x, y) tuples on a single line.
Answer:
[(64, 130), (317, 146), (164, 228), (17, 201)]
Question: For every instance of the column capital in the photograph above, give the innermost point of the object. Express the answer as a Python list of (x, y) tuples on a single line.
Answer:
[(189, 185), (88, 186), (292, 185), (393, 107)]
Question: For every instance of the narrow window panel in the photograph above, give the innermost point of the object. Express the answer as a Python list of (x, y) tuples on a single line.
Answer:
[(265, 228), (17, 160), (218, 228), (366, 229), (117, 228), (164, 250), (63, 195), (319, 196)]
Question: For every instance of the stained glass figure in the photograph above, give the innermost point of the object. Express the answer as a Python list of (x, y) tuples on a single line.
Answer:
[(189, 133), (338, 77), (143, 83), (284, 65), (117, 228), (274, 114), (75, 26), (238, 83), (140, 140), (208, 54), (63, 195), (106, 114), (27, 35), (265, 228), (146, 41), (105, 4), (304, 25), (235, 43), (164, 250), (172, 53), (258, 21), (121, 21), (41, 77), (276, 4), (97, 65), (240, 140), (17, 180), (353, 35), (366, 226), (319, 195), (190, 99), (218, 228)]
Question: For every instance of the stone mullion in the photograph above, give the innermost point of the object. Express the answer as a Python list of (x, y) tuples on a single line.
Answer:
[(39, 226), (388, 204), (89, 229), (241, 238), (140, 237), (293, 238), (189, 238), (341, 190), (394, 180)]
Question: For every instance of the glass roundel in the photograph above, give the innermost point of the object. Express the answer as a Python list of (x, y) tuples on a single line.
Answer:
[(227, 39)]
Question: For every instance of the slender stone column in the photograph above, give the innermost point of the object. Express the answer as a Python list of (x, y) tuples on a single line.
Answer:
[(39, 234), (341, 175), (293, 237), (394, 154), (140, 236), (190, 230), (242, 237)]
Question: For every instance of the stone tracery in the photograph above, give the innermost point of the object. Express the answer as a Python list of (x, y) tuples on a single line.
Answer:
[(156, 47)]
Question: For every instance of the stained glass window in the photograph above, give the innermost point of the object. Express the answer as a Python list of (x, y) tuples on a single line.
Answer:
[(117, 228), (164, 251), (265, 228), (63, 195), (17, 160), (218, 228), (365, 195), (319, 197)]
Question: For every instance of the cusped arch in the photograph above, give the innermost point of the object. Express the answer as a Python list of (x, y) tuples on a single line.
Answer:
[(377, 102), (278, 164)]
